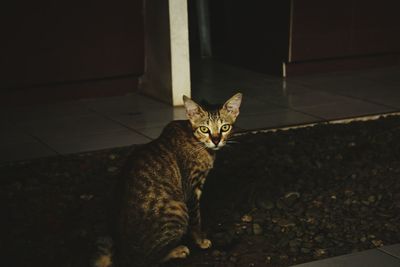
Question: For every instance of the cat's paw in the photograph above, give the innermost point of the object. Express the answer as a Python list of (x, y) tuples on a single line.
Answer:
[(204, 243), (180, 252)]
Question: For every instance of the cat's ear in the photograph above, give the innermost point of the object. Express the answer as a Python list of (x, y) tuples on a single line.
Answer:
[(193, 110), (232, 105)]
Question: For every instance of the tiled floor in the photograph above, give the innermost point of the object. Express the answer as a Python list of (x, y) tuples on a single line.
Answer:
[(388, 256), (32, 132)]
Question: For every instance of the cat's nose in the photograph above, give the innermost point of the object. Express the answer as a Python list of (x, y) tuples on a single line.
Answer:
[(215, 140)]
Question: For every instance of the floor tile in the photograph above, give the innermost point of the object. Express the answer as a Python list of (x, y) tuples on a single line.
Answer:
[(150, 118), (302, 97), (152, 132), (47, 112), (369, 258), (393, 250), (268, 101), (279, 87), (124, 105), (344, 109), (70, 126), (10, 134), (388, 95), (75, 144), (387, 75), (355, 86), (252, 106), (336, 83), (274, 119)]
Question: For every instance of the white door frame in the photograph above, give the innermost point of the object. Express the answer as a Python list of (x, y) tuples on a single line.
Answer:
[(167, 62), (179, 44)]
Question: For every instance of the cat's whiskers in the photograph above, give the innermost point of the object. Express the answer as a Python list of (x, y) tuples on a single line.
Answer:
[(234, 137)]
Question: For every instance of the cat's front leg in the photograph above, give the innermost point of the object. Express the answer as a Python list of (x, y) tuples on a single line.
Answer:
[(195, 221)]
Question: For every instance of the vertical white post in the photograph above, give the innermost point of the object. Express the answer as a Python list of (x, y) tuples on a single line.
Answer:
[(179, 44)]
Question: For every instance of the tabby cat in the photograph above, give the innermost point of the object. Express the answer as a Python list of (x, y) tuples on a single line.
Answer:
[(162, 185)]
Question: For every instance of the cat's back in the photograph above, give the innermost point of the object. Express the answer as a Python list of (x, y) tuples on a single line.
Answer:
[(151, 186), (161, 151), (156, 161)]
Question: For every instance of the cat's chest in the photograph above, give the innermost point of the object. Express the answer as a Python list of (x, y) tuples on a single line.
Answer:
[(199, 169), (201, 162)]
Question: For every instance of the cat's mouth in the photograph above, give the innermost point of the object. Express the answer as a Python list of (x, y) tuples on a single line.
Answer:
[(216, 147)]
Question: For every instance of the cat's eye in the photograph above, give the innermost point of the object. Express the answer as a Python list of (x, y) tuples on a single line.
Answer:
[(225, 127), (204, 129)]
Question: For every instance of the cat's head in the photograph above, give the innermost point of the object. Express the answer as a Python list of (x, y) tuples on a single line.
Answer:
[(213, 127)]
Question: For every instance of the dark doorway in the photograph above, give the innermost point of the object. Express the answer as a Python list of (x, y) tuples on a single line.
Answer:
[(251, 35)]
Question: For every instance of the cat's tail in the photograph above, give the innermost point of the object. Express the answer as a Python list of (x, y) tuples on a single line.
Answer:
[(104, 252)]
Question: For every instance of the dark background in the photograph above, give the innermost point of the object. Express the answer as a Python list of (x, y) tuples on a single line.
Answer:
[(59, 49), (56, 50)]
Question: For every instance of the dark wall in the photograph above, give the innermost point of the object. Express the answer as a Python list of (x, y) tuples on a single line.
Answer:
[(45, 41), (343, 28), (264, 35), (253, 34)]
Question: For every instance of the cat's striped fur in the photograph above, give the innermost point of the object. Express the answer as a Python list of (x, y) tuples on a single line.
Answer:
[(162, 185)]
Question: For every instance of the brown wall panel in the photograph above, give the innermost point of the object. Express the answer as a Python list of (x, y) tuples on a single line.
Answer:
[(320, 29), (343, 28), (376, 27), (48, 41)]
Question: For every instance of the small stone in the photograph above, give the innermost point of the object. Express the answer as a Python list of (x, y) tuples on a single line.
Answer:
[(86, 196), (352, 144), (305, 250), (318, 164), (257, 229), (319, 252), (294, 243), (266, 204), (112, 169), (216, 253), (276, 229), (17, 186), (307, 245), (371, 199), (268, 259), (319, 238), (285, 223), (283, 242), (348, 192), (363, 239), (112, 156), (247, 218), (291, 198), (339, 157), (233, 259), (280, 204), (260, 217), (377, 243), (284, 257)]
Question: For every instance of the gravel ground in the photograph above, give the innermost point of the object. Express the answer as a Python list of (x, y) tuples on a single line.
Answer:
[(273, 199)]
